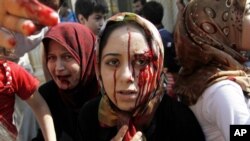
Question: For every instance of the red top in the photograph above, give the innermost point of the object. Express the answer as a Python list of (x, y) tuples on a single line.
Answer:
[(13, 80)]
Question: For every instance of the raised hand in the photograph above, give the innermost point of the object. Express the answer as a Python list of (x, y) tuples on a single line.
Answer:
[(23, 16)]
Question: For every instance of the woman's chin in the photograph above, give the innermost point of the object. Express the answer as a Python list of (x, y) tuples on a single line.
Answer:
[(126, 107), (64, 86)]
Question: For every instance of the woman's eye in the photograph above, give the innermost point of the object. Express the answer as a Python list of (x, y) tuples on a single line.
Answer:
[(113, 62), (141, 62), (68, 57), (51, 58)]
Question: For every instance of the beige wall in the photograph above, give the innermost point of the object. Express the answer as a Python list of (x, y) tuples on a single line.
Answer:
[(36, 61), (73, 4)]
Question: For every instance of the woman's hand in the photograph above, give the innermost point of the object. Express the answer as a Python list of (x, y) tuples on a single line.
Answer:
[(23, 16), (121, 133)]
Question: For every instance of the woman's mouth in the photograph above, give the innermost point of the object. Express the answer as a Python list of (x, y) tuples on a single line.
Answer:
[(127, 95), (63, 81), (127, 92)]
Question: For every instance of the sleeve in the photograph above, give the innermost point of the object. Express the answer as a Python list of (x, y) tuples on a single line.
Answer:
[(227, 106), (25, 44), (24, 83)]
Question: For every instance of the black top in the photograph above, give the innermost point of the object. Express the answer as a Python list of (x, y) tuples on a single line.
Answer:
[(64, 109), (173, 121)]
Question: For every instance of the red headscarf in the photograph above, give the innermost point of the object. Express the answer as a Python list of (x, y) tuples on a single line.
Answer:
[(79, 41)]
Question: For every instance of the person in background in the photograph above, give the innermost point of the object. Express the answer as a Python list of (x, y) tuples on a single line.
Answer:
[(213, 80), (133, 104), (19, 19), (16, 81), (138, 5), (69, 55), (66, 14), (153, 11), (23, 117), (91, 13)]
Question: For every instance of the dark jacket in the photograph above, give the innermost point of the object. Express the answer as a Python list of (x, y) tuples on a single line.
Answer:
[(173, 121)]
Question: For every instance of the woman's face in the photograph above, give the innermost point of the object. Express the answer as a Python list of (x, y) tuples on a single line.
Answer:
[(125, 67), (64, 69)]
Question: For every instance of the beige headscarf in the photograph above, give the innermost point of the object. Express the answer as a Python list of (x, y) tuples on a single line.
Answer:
[(208, 37)]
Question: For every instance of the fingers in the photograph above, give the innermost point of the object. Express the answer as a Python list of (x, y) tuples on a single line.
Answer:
[(137, 137), (22, 15), (17, 24), (121, 133), (33, 10), (6, 39)]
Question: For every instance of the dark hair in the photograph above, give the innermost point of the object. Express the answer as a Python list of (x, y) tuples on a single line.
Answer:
[(51, 4), (65, 4), (111, 26), (153, 11), (87, 7), (142, 1)]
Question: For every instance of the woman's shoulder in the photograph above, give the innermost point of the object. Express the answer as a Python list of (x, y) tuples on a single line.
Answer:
[(88, 116), (222, 91), (48, 86), (222, 84), (91, 106), (48, 89)]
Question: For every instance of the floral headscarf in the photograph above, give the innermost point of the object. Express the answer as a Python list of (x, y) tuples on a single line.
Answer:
[(208, 38), (79, 41), (111, 116)]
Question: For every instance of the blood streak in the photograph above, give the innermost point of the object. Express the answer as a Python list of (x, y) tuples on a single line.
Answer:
[(28, 28), (12, 42), (145, 80)]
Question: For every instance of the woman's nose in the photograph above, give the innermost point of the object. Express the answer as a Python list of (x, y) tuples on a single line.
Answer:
[(59, 65), (127, 74)]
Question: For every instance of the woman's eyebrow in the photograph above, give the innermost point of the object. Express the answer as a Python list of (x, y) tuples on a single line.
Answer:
[(110, 54)]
